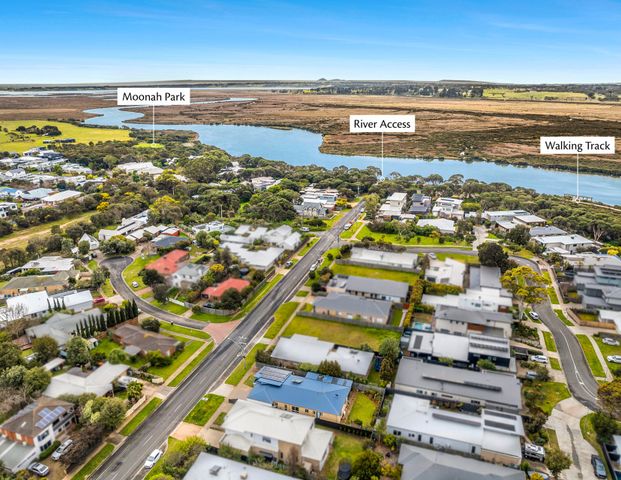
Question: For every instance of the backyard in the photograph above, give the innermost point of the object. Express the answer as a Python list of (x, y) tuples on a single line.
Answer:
[(345, 447), (362, 410)]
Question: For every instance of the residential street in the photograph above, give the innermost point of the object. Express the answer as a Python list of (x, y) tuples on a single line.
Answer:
[(127, 461)]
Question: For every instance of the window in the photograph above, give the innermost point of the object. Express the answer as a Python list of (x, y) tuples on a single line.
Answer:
[(419, 437), (266, 439), (473, 451), (397, 433), (430, 440)]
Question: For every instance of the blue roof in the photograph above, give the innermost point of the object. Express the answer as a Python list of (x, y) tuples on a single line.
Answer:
[(314, 391)]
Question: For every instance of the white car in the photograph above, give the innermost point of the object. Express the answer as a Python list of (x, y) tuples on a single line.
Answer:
[(314, 266), (304, 229), (39, 469), (347, 226), (539, 358), (153, 458), (610, 341), (60, 451), (135, 284), (614, 358), (534, 315)]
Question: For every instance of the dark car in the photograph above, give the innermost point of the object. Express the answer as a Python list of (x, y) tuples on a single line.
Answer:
[(598, 467)]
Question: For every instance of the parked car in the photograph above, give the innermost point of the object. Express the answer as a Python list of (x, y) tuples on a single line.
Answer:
[(531, 375), (314, 266), (289, 264), (135, 284), (347, 226), (534, 315), (610, 341), (60, 451), (153, 458), (598, 467), (539, 359), (534, 452), (39, 469), (304, 229), (614, 358)]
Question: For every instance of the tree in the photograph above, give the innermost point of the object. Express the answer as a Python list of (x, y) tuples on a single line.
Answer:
[(367, 465), (117, 356), (9, 355), (231, 299), (45, 347), (36, 380), (387, 369), (610, 396), (156, 359), (84, 247), (117, 245), (492, 255), (330, 367), (77, 351), (160, 292), (526, 285), (151, 277), (151, 324), (519, 235), (134, 391), (99, 277), (106, 412), (166, 210), (85, 439), (557, 461), (485, 364), (605, 426), (390, 348)]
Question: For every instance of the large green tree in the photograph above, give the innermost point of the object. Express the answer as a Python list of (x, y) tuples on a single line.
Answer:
[(527, 286), (77, 351), (45, 348)]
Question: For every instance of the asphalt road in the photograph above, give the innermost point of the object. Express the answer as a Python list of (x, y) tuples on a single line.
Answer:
[(127, 461)]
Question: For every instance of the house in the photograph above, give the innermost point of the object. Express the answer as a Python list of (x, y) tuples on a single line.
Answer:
[(497, 216), (36, 304), (215, 292), (315, 395), (128, 226), (600, 287), (254, 428), (565, 243), (546, 231), (343, 305), (492, 436), (461, 321), (168, 264), (214, 467), (168, 241), (461, 349), (6, 208), (145, 340), (32, 430), (260, 259), (529, 220), (140, 168), (316, 202), (77, 382), (49, 264), (35, 283), (93, 243), (188, 275), (419, 204), (373, 288), (381, 258), (283, 237), (15, 173), (446, 272), (214, 226), (589, 260), (610, 316), (37, 194), (61, 326), (11, 192), (444, 225), (426, 464), (486, 388), (263, 183), (393, 206), (56, 198), (304, 349), (448, 208)]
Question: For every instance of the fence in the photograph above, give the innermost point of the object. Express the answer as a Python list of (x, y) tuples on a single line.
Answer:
[(588, 323), (351, 429), (350, 321)]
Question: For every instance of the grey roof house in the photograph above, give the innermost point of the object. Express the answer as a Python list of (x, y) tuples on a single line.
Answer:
[(373, 288), (343, 305)]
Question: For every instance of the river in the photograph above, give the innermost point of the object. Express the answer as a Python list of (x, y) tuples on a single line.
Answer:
[(301, 147)]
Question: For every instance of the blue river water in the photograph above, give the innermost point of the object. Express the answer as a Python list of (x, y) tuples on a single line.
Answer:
[(301, 147)]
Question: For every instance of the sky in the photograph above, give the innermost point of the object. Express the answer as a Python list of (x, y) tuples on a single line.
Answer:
[(74, 41)]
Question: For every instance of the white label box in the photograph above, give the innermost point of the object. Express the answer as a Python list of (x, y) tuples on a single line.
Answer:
[(576, 145), (153, 96), (382, 123)]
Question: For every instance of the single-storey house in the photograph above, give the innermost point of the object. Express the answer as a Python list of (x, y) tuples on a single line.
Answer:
[(35, 283), (381, 258), (207, 465), (145, 340), (343, 305), (78, 382), (444, 225), (373, 288), (168, 264), (215, 292)]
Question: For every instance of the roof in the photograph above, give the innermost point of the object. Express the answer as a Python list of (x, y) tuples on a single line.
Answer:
[(381, 257), (36, 281), (50, 264), (75, 382), (484, 277), (375, 286), (457, 347), (479, 317), (548, 230), (529, 219), (192, 270), (442, 224), (321, 393), (564, 239), (165, 241), (230, 283), (397, 197), (498, 388), (354, 306), (449, 269), (37, 416), (169, 263), (146, 340), (260, 259), (16, 456), (207, 465), (61, 196), (60, 326), (427, 464)]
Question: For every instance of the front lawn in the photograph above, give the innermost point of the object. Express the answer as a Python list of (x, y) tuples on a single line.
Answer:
[(106, 345), (244, 366), (345, 447), (304, 250), (549, 340), (608, 350), (348, 335), (189, 349), (560, 314), (555, 364), (347, 234), (553, 393), (378, 273), (211, 317), (588, 433), (130, 274), (258, 296), (281, 316), (157, 469), (399, 240), (553, 296), (94, 462), (204, 409), (170, 307), (362, 410), (189, 368), (192, 332), (591, 356), (141, 416)]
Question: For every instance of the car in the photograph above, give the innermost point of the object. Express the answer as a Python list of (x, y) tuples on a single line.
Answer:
[(314, 266), (347, 226), (135, 284), (614, 358), (153, 458), (304, 229), (289, 264), (39, 469), (534, 315), (60, 451), (534, 452), (531, 375), (598, 467), (610, 341), (539, 358), (541, 475)]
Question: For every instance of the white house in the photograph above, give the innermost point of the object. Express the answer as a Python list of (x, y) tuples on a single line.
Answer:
[(188, 275), (141, 168), (442, 224), (446, 272), (448, 208), (565, 243), (60, 197), (381, 258), (76, 382), (36, 304)]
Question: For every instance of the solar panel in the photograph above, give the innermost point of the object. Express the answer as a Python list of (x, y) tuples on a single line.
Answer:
[(48, 416), (275, 375)]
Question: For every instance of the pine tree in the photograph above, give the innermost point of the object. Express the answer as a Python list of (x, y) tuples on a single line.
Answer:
[(63, 304), (109, 319), (122, 315), (49, 306), (102, 322), (135, 310)]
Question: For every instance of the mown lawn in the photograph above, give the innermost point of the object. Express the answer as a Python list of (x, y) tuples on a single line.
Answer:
[(165, 372), (608, 350), (345, 447), (191, 366), (362, 409), (347, 234), (304, 250), (549, 340), (555, 363), (243, 366), (398, 240), (349, 335), (553, 393), (396, 316), (94, 462), (302, 293), (460, 257), (379, 273), (211, 318), (170, 307), (204, 409), (258, 296), (591, 356), (553, 296), (130, 274), (560, 314), (141, 416), (281, 316), (192, 332)]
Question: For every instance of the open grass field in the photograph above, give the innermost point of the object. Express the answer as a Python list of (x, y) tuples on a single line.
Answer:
[(243, 366), (525, 94), (94, 462), (141, 416), (192, 365), (345, 447), (204, 409), (591, 356), (281, 316), (349, 335), (608, 350), (378, 273), (12, 141)]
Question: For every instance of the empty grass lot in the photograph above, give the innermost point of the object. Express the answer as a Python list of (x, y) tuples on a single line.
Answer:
[(94, 462), (192, 332), (345, 447), (549, 340), (395, 275), (281, 316), (553, 392), (398, 240), (130, 274), (189, 368), (204, 409), (349, 335), (362, 410), (591, 356), (141, 416), (560, 314), (243, 367), (460, 257)]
